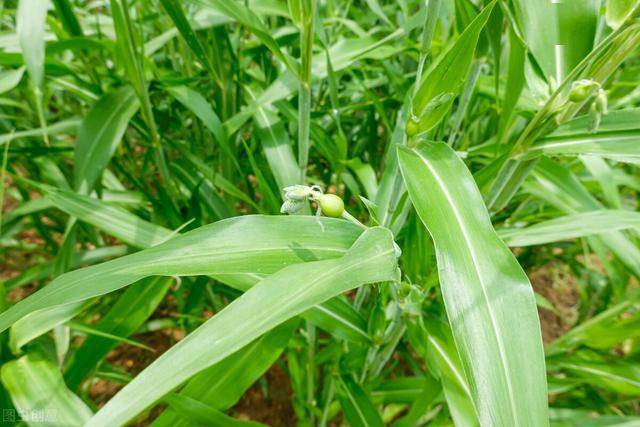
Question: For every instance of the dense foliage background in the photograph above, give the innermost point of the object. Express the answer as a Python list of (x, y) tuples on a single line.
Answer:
[(127, 126)]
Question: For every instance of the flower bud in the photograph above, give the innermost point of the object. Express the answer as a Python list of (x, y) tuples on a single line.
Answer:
[(331, 205), (581, 90), (411, 128)]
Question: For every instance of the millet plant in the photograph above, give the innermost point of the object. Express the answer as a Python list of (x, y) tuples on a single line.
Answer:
[(355, 194)]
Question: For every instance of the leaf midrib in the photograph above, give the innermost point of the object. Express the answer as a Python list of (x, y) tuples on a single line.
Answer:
[(471, 250)]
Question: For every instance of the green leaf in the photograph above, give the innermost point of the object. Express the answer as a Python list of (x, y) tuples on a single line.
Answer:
[(444, 79), (195, 102), (442, 354), (64, 126), (272, 301), (40, 322), (615, 375), (617, 137), (619, 10), (571, 227), (175, 11), (488, 297), (250, 245), (223, 384), (338, 318), (30, 22), (130, 311), (38, 391), (356, 404), (558, 34), (10, 79), (202, 414), (100, 134), (561, 188), (243, 15)]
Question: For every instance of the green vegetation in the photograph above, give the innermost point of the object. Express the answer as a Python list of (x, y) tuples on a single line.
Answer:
[(389, 204)]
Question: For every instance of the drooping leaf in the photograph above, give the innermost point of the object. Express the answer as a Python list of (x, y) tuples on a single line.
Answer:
[(571, 227), (617, 137), (272, 301), (222, 385)]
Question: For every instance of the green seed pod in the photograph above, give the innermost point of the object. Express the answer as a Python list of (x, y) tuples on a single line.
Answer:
[(581, 90), (411, 128), (331, 205)]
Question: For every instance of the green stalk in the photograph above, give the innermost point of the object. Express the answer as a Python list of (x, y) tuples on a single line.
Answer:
[(514, 171), (3, 177), (311, 370), (40, 108), (433, 11), (327, 403), (304, 95)]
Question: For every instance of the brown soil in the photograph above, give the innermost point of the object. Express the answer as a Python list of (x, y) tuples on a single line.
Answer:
[(555, 282), (274, 408)]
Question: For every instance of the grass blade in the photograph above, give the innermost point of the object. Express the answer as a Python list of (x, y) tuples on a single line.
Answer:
[(271, 302), (489, 300)]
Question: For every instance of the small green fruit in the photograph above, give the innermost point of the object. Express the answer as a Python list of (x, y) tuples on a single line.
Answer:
[(581, 90), (331, 205), (411, 128)]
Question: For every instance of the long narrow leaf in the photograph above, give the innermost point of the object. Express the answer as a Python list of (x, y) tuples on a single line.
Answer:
[(489, 300)]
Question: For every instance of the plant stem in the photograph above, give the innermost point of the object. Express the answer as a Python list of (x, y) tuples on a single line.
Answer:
[(304, 95), (433, 11), (311, 369)]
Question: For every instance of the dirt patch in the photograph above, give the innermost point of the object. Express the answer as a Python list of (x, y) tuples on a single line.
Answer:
[(556, 283), (273, 408)]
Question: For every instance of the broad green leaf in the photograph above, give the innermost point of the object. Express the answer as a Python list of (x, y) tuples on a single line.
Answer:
[(45, 269), (131, 310), (116, 221), (618, 136), (442, 354), (37, 323), (277, 146), (443, 80), (38, 391), (489, 301), (272, 301), (100, 134), (222, 385), (357, 406), (571, 227), (250, 245), (336, 317)]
